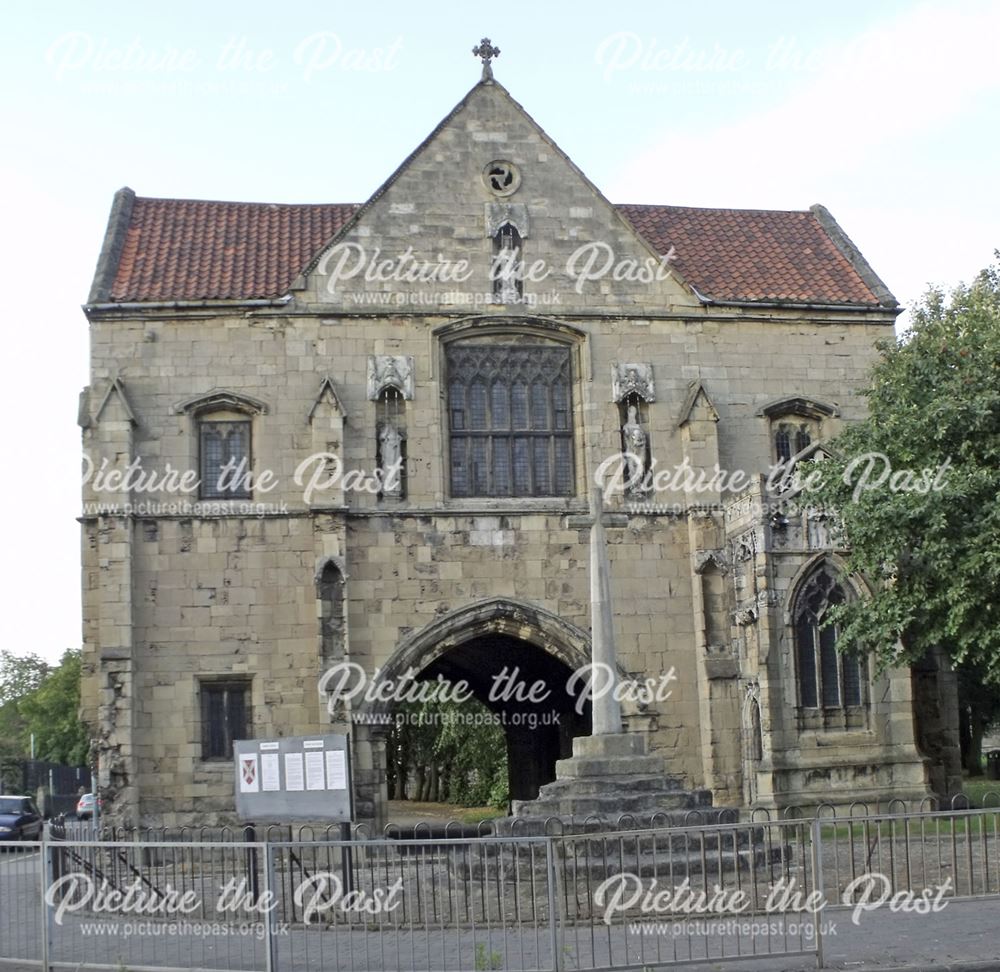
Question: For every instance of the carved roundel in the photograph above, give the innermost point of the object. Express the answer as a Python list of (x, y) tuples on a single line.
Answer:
[(502, 178)]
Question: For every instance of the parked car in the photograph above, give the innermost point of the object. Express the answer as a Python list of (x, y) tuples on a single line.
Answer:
[(19, 819), (85, 806)]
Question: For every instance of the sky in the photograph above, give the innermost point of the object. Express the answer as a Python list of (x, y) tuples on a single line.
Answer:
[(885, 112)]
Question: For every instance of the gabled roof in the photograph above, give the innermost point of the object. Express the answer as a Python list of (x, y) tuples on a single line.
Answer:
[(165, 250), (183, 249), (187, 249), (759, 255)]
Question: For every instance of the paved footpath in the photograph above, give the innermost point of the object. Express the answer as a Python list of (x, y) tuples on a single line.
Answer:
[(965, 937)]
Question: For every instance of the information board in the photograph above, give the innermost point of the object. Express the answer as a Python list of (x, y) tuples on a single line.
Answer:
[(293, 778)]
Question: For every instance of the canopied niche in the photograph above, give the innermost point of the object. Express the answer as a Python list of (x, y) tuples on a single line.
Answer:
[(632, 389), (390, 386)]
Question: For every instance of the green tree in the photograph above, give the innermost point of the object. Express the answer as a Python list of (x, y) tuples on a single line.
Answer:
[(449, 752), (979, 711), (927, 535), (51, 713), (20, 675)]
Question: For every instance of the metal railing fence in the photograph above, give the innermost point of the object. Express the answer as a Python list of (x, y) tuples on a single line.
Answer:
[(579, 895)]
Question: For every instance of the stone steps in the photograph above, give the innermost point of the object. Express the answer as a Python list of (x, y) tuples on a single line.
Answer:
[(611, 785), (582, 867), (564, 803), (604, 766)]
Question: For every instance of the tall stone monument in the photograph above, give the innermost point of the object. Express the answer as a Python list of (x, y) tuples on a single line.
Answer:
[(611, 771)]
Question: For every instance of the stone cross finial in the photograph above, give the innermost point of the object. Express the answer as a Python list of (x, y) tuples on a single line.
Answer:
[(485, 50)]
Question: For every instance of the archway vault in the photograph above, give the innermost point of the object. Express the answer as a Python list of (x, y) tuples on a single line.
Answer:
[(494, 616)]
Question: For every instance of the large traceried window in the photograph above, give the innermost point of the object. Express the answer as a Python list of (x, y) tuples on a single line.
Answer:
[(832, 685), (510, 420)]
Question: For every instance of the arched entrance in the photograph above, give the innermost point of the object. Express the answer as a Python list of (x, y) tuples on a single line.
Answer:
[(518, 660)]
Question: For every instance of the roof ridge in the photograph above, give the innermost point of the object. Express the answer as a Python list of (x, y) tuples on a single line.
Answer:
[(713, 209), (241, 202)]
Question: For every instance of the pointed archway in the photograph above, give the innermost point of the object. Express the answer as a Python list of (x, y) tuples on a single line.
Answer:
[(500, 648)]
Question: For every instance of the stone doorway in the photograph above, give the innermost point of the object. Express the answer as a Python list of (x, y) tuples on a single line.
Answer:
[(501, 671), (518, 643)]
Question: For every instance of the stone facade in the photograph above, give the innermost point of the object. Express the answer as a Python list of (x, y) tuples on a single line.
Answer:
[(176, 597)]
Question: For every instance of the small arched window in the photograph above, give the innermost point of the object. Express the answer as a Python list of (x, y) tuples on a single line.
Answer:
[(831, 682), (791, 437), (795, 423), (331, 612), (223, 427), (224, 455)]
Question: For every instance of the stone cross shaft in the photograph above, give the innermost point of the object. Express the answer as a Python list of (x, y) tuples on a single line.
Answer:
[(606, 710)]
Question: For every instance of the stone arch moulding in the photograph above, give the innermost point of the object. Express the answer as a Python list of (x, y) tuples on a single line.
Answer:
[(221, 398), (556, 330), (518, 619), (857, 585), (323, 562), (481, 325), (799, 405)]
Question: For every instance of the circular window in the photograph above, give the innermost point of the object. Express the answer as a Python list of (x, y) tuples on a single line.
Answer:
[(502, 178)]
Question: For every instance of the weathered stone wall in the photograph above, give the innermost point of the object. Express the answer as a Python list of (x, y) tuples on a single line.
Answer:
[(217, 594), (175, 595)]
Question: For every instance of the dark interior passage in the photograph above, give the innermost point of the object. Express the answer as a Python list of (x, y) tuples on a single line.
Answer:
[(501, 671)]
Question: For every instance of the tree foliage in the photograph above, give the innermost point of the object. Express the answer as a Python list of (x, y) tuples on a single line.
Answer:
[(20, 675), (448, 752), (51, 712), (39, 700), (927, 534)]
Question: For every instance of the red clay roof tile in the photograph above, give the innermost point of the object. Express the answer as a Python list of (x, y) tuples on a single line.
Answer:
[(180, 249), (752, 255)]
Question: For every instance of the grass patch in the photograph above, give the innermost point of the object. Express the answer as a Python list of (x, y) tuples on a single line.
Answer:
[(929, 826), (981, 791), (473, 815)]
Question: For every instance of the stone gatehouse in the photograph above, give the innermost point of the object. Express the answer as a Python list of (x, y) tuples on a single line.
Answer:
[(492, 327)]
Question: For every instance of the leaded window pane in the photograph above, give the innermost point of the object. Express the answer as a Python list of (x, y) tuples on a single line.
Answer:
[(480, 478), (501, 406), (783, 444), (501, 466), (829, 679), (560, 404), (519, 399), (477, 406), (539, 407), (224, 718), (807, 663), (830, 666), (522, 467), (456, 405), (225, 450), (564, 467), (459, 465), (494, 390), (852, 680)]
